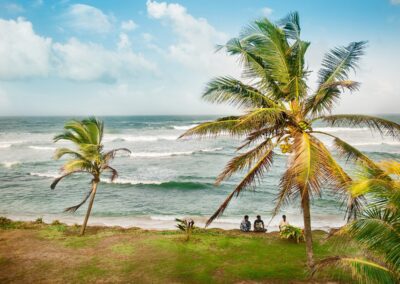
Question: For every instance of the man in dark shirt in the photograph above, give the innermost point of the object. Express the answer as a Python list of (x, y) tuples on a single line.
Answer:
[(259, 225)]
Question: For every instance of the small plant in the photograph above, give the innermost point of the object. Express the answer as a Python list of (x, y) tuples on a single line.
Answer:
[(56, 223), (292, 233), (39, 221), (185, 225), (5, 222)]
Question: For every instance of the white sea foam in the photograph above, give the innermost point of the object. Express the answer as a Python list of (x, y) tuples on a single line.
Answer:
[(5, 145), (10, 164), (340, 129), (131, 181), (184, 127), (375, 143), (133, 138), (46, 175), (42, 148), (171, 154)]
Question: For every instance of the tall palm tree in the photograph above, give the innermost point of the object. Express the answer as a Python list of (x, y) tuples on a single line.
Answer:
[(89, 157), (378, 227), (280, 110)]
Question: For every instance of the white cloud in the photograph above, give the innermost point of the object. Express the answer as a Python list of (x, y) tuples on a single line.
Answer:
[(87, 18), (124, 42), (196, 38), (128, 25), (395, 2), (13, 8), (92, 62), (266, 11), (23, 53)]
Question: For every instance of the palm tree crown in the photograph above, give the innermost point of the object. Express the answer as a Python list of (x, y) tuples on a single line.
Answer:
[(280, 110), (89, 157)]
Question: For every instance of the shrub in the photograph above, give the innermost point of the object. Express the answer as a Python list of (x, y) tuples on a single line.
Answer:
[(292, 233), (39, 221), (56, 223)]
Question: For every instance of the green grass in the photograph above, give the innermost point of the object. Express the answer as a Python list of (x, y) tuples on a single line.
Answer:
[(132, 255)]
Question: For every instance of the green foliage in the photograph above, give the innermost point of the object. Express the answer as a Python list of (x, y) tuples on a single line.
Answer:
[(292, 233), (378, 227), (39, 221), (88, 157), (56, 223), (279, 106), (5, 223)]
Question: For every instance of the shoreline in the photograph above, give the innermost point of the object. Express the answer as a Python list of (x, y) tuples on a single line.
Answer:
[(164, 223)]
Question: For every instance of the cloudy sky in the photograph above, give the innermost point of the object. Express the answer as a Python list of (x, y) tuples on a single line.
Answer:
[(141, 57)]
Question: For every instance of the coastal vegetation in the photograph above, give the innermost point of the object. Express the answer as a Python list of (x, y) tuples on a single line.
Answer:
[(377, 229), (88, 158), (280, 110)]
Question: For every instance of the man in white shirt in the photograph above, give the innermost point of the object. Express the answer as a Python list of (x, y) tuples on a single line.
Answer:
[(283, 223)]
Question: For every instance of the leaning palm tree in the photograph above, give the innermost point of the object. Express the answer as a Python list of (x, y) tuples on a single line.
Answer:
[(377, 229), (280, 110), (89, 157)]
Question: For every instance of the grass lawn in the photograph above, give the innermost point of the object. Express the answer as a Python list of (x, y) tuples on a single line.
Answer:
[(32, 252)]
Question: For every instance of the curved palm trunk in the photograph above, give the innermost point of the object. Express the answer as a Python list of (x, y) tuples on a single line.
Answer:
[(93, 194), (305, 203)]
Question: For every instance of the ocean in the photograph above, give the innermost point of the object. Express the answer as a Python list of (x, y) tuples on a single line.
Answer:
[(162, 179)]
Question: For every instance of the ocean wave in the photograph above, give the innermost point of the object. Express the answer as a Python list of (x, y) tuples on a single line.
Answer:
[(131, 181), (341, 129), (2, 146), (394, 143), (184, 127), (10, 164), (42, 148), (132, 138), (46, 175), (172, 154), (181, 185)]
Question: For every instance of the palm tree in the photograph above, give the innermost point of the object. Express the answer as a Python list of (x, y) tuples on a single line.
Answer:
[(89, 157), (378, 227), (280, 110)]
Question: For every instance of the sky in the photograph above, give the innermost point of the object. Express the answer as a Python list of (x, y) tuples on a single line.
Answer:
[(138, 57)]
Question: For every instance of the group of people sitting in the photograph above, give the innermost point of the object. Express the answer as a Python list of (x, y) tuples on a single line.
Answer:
[(258, 226)]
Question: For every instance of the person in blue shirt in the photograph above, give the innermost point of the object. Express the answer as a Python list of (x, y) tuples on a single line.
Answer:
[(245, 226)]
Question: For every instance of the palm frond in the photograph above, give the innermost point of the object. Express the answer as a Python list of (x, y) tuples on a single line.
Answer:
[(110, 155), (57, 180), (366, 271), (114, 172), (255, 174), (232, 91), (383, 126), (327, 95), (223, 126), (73, 209), (244, 160)]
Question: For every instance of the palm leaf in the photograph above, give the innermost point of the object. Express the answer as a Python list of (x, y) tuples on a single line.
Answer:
[(232, 91), (383, 126), (255, 173)]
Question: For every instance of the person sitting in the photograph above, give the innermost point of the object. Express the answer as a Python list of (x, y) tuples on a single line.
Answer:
[(283, 223), (259, 225), (245, 226)]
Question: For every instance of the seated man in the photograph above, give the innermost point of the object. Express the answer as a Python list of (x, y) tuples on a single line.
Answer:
[(283, 223), (245, 226), (259, 225)]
